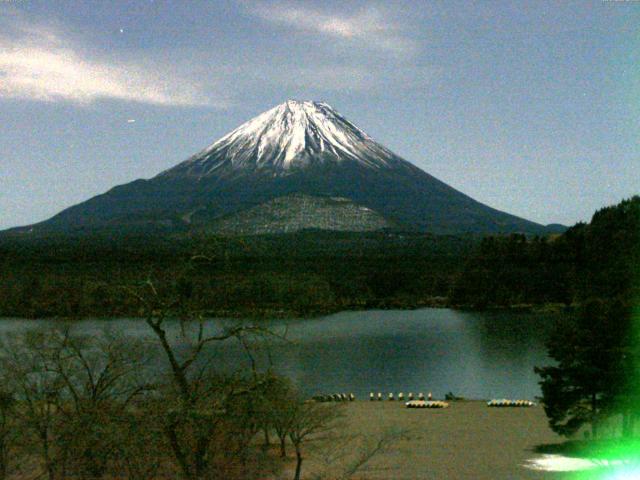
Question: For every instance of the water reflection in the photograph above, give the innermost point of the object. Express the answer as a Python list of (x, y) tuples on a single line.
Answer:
[(476, 355)]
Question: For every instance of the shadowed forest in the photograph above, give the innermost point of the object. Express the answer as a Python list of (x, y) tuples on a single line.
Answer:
[(289, 275), (313, 273)]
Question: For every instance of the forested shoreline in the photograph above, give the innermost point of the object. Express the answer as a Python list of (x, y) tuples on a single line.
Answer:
[(303, 274), (595, 260), (313, 273), (592, 386)]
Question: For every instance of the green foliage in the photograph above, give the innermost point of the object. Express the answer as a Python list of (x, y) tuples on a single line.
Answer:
[(597, 260), (598, 350), (590, 378), (513, 270), (298, 274)]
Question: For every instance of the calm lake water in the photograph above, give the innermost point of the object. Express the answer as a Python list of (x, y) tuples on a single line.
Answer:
[(475, 355)]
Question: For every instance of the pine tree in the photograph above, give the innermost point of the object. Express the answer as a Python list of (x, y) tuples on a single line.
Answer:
[(596, 363)]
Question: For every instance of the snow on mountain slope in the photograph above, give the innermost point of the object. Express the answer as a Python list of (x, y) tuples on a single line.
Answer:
[(291, 135), (298, 212), (297, 148)]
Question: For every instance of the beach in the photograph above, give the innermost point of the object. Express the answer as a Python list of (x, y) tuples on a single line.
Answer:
[(468, 440)]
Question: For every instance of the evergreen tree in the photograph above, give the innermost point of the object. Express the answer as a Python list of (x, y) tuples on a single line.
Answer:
[(596, 354)]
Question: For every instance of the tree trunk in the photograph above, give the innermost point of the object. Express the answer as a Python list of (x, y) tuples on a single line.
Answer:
[(627, 430), (594, 416), (267, 438), (44, 436), (178, 372), (298, 464), (633, 417), (181, 457), (3, 461), (4, 457), (283, 449)]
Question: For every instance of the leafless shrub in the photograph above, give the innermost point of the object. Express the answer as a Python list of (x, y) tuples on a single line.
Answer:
[(71, 392), (347, 455), (210, 420)]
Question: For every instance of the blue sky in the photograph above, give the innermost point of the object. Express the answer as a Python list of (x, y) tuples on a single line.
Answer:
[(530, 107)]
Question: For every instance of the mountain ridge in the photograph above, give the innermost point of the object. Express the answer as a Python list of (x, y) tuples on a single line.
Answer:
[(297, 147)]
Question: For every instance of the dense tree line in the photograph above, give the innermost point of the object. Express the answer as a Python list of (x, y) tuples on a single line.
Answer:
[(595, 269), (595, 380), (587, 261), (317, 272), (514, 270), (297, 274)]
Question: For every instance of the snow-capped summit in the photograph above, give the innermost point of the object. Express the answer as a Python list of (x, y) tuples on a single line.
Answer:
[(291, 135), (300, 165)]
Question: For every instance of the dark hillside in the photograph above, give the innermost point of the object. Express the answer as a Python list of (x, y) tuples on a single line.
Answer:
[(596, 260), (296, 274)]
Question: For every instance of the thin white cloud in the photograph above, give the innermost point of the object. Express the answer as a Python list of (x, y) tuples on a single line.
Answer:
[(371, 27), (47, 62), (40, 63)]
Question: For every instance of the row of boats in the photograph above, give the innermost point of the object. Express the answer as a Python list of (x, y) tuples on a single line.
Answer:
[(426, 404), (492, 403), (335, 397), (420, 402), (373, 397), (503, 402)]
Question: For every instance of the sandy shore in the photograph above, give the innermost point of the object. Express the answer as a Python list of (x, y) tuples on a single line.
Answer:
[(466, 441)]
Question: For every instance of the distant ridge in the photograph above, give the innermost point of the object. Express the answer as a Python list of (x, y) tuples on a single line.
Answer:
[(298, 149), (296, 212)]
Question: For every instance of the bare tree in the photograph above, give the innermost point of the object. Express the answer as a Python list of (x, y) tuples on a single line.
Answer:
[(308, 419), (73, 392), (7, 430), (278, 412), (346, 455), (38, 391), (206, 427), (89, 413), (100, 377)]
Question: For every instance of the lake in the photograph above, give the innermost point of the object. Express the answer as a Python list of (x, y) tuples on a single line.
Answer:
[(477, 355)]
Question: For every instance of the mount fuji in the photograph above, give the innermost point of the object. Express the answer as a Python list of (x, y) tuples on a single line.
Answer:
[(300, 165)]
